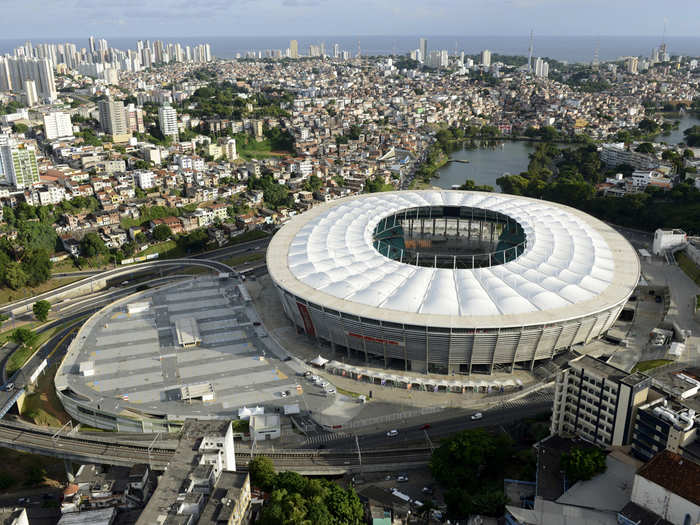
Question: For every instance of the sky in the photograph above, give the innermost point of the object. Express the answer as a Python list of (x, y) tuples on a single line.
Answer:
[(50, 19)]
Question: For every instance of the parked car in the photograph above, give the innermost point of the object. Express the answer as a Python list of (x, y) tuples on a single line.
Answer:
[(425, 427), (402, 477), (478, 415), (427, 490), (8, 387), (392, 433)]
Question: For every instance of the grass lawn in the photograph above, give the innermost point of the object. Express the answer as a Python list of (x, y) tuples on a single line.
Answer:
[(7, 295), (644, 366), (5, 336), (258, 150), (348, 393), (20, 356), (691, 269), (43, 406), (165, 249), (240, 259)]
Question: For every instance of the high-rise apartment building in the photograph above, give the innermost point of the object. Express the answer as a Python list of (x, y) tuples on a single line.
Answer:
[(597, 401), (230, 149), (134, 119), (541, 68), (14, 71), (167, 121), (19, 164), (30, 93), (57, 124), (423, 46), (486, 58), (113, 120), (632, 65), (293, 49)]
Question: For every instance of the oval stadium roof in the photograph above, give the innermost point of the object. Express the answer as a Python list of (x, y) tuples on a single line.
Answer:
[(573, 264)]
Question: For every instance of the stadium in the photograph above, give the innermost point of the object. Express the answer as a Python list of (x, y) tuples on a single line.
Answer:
[(450, 281)]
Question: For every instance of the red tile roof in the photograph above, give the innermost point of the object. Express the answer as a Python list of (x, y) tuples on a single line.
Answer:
[(674, 473)]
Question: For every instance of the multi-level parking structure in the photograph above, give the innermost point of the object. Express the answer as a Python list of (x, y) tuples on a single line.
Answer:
[(450, 281)]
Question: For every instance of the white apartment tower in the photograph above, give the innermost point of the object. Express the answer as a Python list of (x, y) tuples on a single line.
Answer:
[(486, 58), (230, 149), (19, 164), (423, 46), (167, 121), (57, 124)]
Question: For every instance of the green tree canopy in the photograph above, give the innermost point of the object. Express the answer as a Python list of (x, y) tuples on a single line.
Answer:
[(581, 464), (23, 336), (41, 310), (162, 232), (262, 473), (470, 466), (93, 245)]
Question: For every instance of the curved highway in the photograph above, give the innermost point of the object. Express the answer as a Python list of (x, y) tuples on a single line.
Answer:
[(206, 260)]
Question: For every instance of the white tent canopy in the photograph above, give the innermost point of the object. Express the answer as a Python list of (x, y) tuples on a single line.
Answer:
[(319, 361)]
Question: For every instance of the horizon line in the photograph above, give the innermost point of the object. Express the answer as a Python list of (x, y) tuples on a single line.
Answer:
[(526, 35)]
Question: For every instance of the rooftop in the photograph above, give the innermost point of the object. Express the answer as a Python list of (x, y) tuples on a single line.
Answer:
[(674, 473), (139, 367), (600, 368), (572, 265)]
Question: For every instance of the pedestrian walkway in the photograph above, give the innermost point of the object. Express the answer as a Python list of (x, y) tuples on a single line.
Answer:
[(545, 395), (325, 437)]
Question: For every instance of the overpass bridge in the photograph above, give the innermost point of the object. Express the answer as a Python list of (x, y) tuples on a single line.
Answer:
[(99, 281)]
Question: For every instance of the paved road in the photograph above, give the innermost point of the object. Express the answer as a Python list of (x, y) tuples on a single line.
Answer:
[(412, 432)]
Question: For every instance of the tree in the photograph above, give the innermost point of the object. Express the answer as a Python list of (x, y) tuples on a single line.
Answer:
[(41, 310), (645, 147), (15, 277), (581, 464), (470, 465), (23, 336), (262, 473), (93, 245), (162, 232)]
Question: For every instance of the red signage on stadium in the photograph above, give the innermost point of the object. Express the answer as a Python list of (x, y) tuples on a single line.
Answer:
[(306, 317)]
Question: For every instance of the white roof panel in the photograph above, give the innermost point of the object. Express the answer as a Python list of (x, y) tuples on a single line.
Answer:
[(566, 260)]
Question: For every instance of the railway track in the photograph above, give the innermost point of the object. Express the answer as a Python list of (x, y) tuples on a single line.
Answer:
[(106, 450), (33, 439)]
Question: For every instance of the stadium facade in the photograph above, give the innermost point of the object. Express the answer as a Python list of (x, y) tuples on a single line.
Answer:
[(450, 281)]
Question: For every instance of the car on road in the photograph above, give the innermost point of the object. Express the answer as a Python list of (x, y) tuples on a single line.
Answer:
[(388, 477), (402, 477), (425, 427), (476, 416), (392, 433), (283, 394), (427, 490)]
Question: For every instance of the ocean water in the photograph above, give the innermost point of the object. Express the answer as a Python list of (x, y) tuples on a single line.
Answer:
[(563, 48)]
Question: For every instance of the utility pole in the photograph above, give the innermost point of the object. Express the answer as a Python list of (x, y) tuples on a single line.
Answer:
[(430, 442)]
